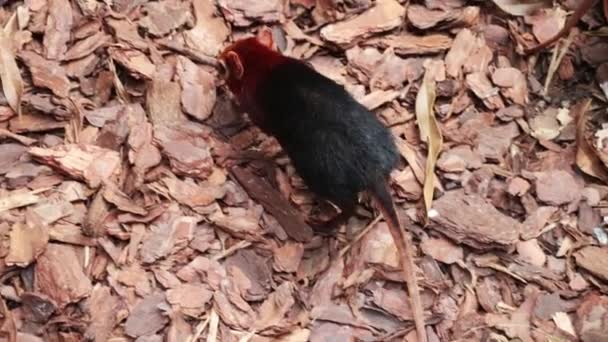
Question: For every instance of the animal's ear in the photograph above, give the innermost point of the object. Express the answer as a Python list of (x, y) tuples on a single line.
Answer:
[(234, 65), (265, 38)]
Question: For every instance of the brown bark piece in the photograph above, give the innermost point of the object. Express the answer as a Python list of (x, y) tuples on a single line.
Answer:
[(287, 258), (126, 32), (557, 187), (276, 306), (60, 276), (17, 199), (143, 154), (135, 61), (514, 83), (163, 102), (481, 86), (86, 162), (146, 317), (593, 259), (471, 220), (113, 195), (34, 123), (384, 16), (463, 47), (198, 89), (164, 16), (424, 18), (71, 234), (191, 194), (210, 30), (187, 147), (103, 307), (244, 12), (592, 315), (57, 30), (290, 219), (28, 241), (87, 46), (409, 44), (10, 156), (190, 298)]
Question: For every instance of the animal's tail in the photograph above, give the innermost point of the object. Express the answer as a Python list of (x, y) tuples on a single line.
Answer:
[(386, 205)]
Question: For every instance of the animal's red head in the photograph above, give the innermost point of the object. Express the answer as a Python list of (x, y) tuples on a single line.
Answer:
[(248, 60)]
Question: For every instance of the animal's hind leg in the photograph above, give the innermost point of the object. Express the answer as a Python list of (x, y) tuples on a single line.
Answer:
[(347, 209)]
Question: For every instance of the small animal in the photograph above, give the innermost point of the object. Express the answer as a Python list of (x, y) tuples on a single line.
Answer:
[(337, 146)]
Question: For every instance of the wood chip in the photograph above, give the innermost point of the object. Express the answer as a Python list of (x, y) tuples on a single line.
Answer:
[(471, 220), (85, 162), (28, 241), (57, 30), (198, 89), (593, 259), (289, 218), (146, 317), (384, 16), (103, 307), (60, 276), (244, 12), (163, 17)]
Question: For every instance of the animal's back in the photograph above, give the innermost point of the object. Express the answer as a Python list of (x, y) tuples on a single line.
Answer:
[(337, 146)]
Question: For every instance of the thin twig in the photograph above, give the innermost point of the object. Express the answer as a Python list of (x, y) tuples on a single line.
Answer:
[(359, 236), (556, 59), (200, 328), (242, 244), (578, 14)]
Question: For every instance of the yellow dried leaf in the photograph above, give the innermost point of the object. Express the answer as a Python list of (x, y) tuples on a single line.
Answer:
[(12, 84), (563, 322), (429, 133), (586, 159), (522, 7)]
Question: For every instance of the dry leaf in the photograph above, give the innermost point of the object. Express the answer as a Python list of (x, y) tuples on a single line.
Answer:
[(563, 322), (522, 7), (12, 84), (429, 133), (586, 158)]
